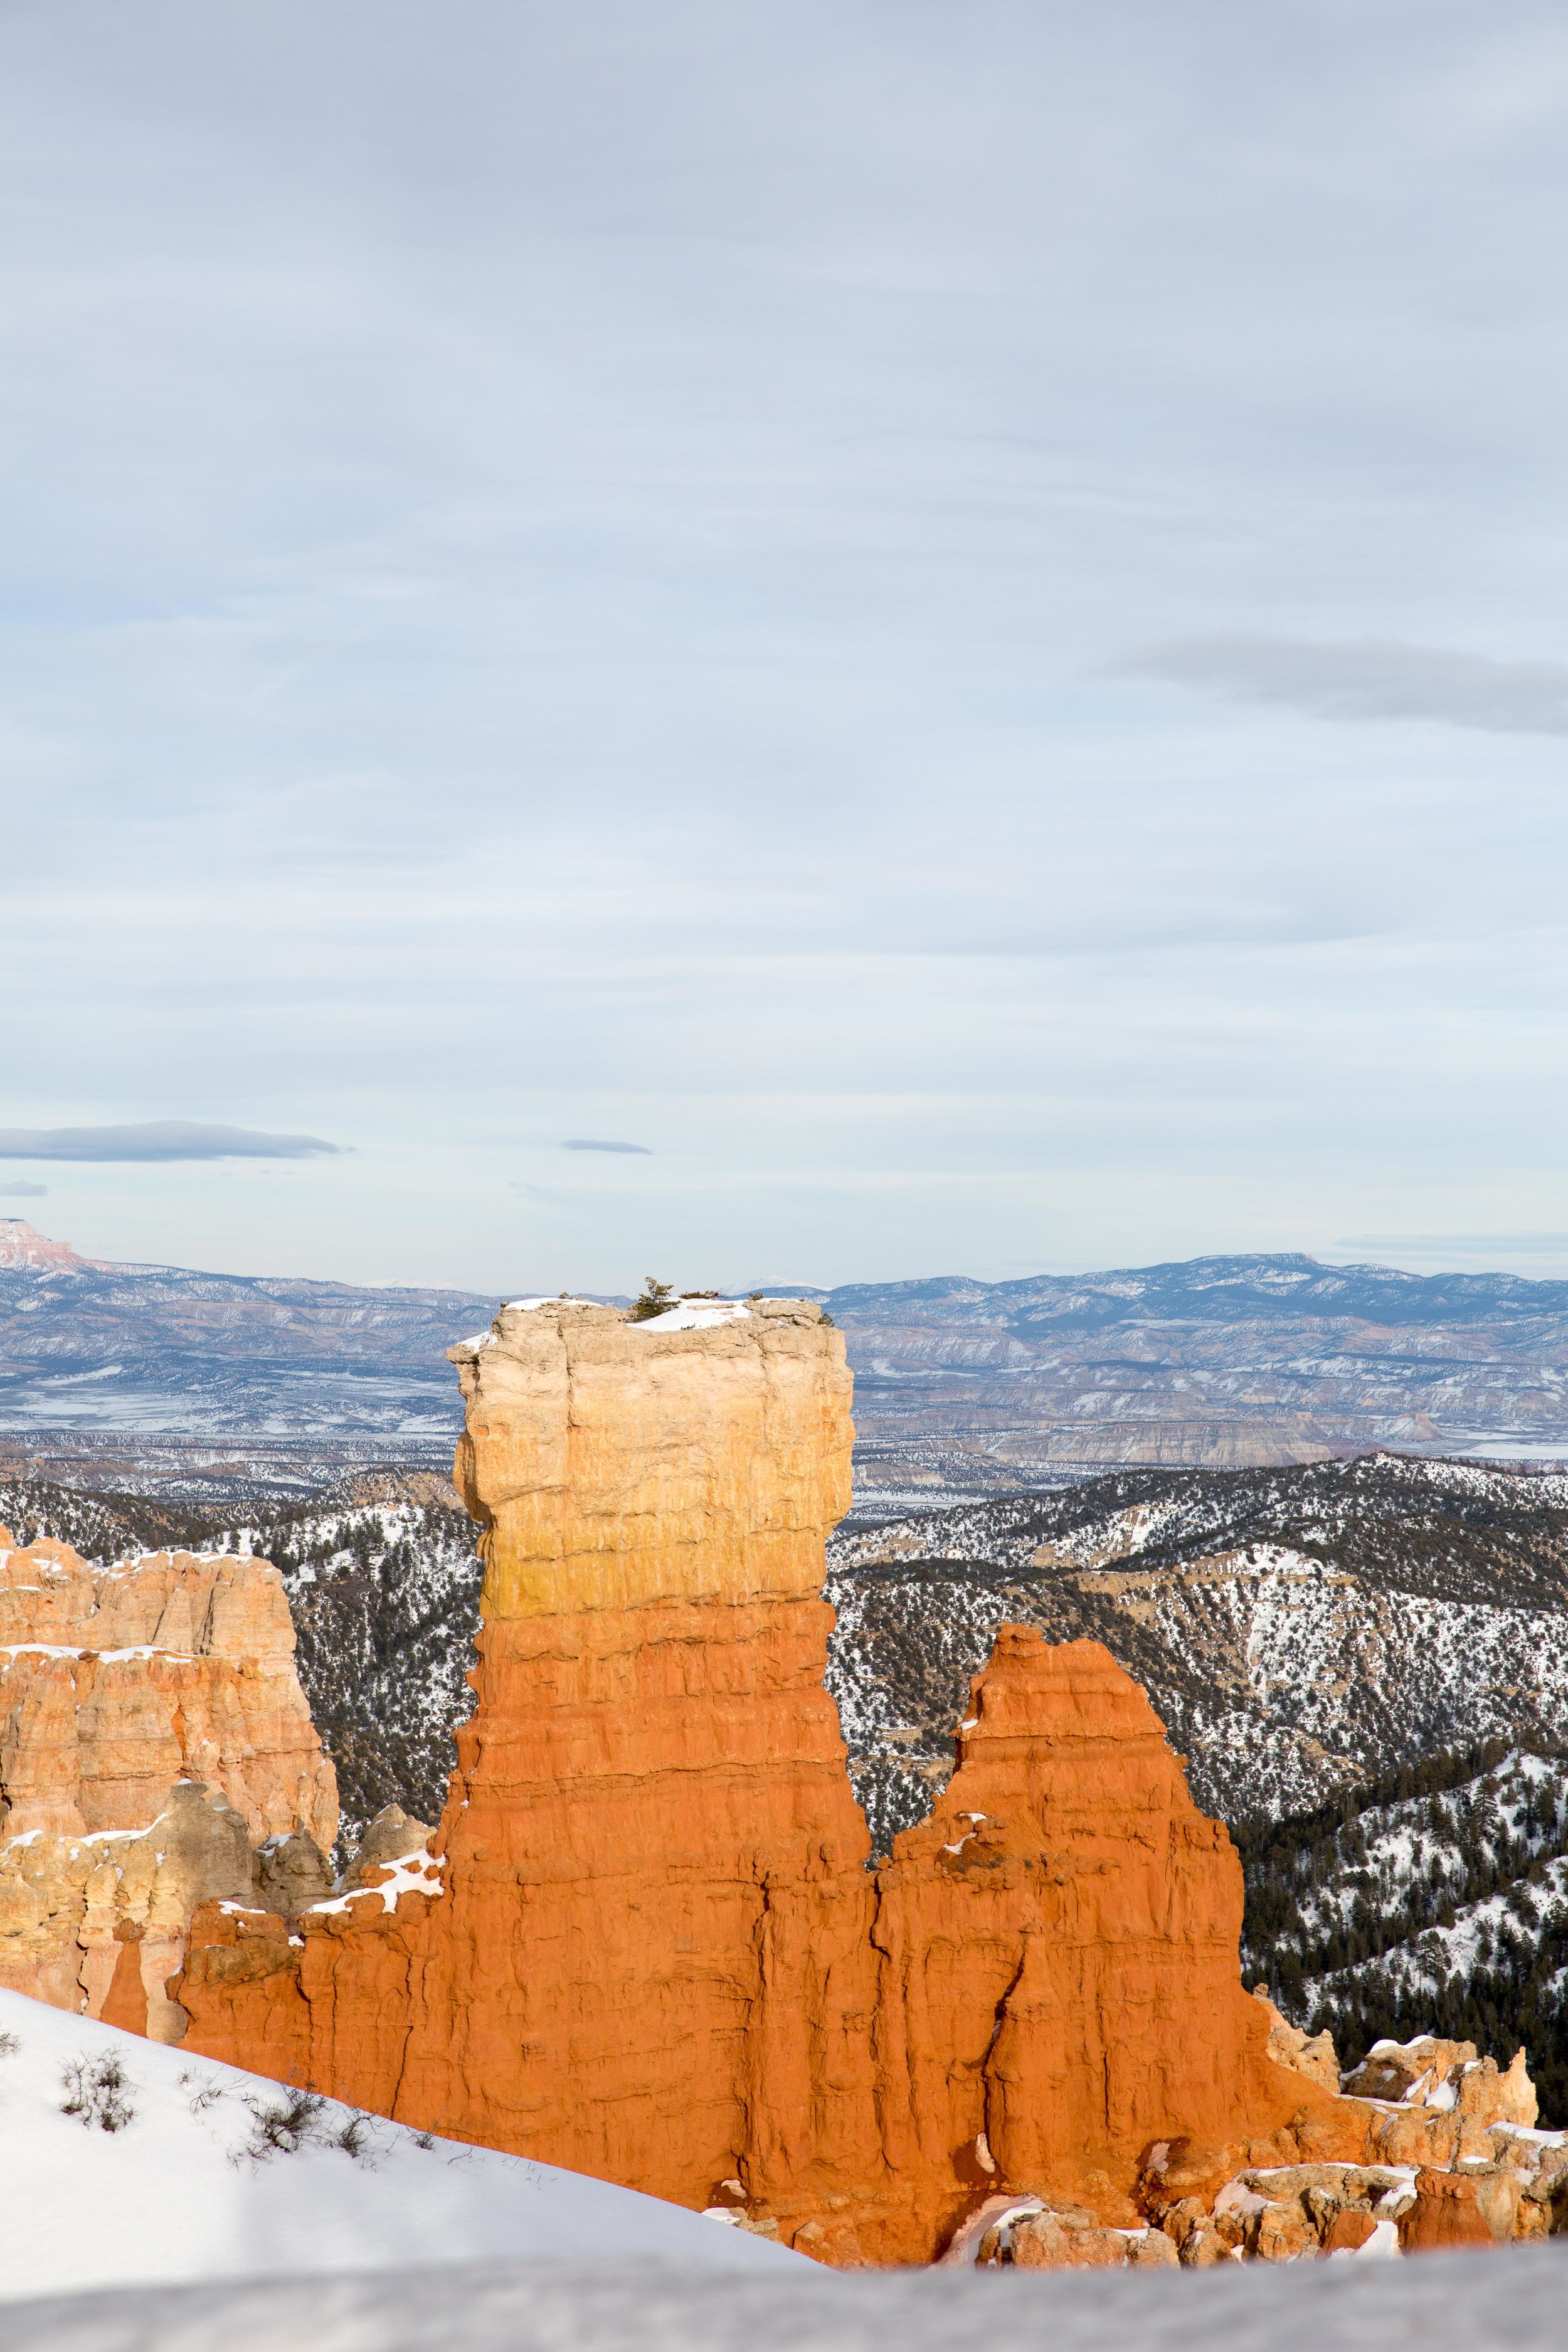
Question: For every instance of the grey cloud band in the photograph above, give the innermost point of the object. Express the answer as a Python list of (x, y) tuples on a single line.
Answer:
[(162, 1139)]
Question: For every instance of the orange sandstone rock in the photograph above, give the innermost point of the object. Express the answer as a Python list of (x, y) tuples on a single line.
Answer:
[(1050, 2242), (653, 1957), (660, 1955), (1348, 2230), (1314, 2055), (1064, 1926), (1446, 2213), (151, 1727), (115, 1683)]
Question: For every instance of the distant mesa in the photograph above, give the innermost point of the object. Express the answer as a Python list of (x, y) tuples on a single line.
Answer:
[(966, 1388), (22, 1245), (298, 1365)]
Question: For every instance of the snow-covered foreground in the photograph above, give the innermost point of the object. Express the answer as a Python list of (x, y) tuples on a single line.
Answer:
[(177, 2168), (1511, 2302)]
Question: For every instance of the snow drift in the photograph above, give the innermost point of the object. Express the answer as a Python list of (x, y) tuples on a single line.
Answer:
[(125, 2163)]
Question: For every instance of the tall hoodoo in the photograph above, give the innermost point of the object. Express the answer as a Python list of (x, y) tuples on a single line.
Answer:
[(653, 1820), (659, 1955)]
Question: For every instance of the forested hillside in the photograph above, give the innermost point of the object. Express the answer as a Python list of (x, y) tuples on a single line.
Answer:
[(1434, 1900)]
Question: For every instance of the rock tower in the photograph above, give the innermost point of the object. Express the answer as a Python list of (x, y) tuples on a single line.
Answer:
[(658, 1952)]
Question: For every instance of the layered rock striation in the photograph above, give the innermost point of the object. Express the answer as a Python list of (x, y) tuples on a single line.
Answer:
[(22, 1244), (153, 1738), (653, 1949)]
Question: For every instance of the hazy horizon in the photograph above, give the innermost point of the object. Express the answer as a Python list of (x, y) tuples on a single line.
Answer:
[(802, 1281)]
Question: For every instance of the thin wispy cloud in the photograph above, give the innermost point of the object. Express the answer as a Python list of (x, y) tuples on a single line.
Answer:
[(23, 1191), (598, 1143), (1367, 678), (158, 1138)]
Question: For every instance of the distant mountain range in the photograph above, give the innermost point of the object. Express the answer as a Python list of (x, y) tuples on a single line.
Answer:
[(961, 1386), (1210, 1362), (99, 1361)]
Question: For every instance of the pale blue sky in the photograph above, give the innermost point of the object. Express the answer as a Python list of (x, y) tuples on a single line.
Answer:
[(949, 618)]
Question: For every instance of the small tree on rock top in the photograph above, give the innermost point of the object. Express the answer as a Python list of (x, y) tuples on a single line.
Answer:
[(656, 1296)]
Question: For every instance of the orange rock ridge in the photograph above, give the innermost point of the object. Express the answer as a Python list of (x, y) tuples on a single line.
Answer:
[(659, 1955)]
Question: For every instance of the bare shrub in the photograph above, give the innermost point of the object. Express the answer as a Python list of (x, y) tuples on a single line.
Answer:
[(282, 2126), (204, 2094), (97, 2092), (299, 2119), (357, 2138)]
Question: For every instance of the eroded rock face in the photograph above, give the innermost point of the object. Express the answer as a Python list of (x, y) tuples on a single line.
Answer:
[(651, 1827), (1060, 1940), (660, 1955), (649, 1946), (290, 1874), (152, 1731), (1448, 2210), (392, 1837), (1311, 2054), (115, 1683), (1444, 2153)]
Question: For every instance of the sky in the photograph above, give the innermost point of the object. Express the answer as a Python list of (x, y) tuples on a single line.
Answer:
[(810, 642)]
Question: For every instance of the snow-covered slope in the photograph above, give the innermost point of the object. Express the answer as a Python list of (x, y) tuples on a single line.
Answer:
[(1300, 1630), (176, 2168), (1304, 1632), (102, 1526)]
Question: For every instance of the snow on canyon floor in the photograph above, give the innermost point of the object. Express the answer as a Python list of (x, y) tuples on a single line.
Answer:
[(126, 2163)]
